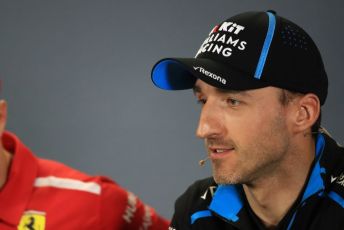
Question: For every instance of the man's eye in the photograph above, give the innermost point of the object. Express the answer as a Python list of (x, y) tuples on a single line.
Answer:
[(201, 101), (233, 102)]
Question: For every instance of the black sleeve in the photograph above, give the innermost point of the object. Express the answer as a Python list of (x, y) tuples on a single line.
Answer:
[(187, 204), (181, 212)]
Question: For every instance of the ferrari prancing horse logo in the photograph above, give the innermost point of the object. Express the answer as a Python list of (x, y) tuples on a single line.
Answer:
[(32, 220)]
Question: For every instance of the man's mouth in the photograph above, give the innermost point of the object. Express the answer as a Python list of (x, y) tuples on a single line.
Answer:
[(220, 150), (217, 153)]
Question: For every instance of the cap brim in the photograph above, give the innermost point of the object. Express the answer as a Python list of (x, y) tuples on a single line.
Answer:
[(182, 73)]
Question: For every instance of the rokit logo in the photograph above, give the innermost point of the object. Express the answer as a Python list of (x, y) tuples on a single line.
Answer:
[(226, 38), (230, 27), (210, 74)]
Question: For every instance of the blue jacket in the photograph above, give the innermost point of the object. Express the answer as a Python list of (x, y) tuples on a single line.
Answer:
[(206, 205)]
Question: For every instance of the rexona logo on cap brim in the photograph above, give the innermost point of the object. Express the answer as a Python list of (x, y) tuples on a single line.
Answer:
[(210, 74), (250, 50)]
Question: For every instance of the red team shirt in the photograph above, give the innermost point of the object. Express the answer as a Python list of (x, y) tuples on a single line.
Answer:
[(42, 194)]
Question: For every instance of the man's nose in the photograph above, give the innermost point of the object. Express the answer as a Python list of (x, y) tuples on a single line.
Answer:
[(210, 122)]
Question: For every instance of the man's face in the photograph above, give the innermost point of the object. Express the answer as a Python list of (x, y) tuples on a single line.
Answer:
[(245, 132)]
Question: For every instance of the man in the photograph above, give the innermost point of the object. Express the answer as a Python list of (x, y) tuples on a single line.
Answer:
[(38, 194), (261, 82)]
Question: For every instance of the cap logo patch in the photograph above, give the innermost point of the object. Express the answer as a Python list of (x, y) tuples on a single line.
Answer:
[(210, 74), (223, 39)]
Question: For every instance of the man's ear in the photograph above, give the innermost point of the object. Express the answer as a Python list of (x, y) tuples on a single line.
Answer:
[(307, 112), (3, 115)]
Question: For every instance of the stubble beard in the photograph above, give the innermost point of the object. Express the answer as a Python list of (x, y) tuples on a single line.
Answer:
[(257, 159)]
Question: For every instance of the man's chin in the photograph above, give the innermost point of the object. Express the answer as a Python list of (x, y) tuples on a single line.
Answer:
[(226, 180)]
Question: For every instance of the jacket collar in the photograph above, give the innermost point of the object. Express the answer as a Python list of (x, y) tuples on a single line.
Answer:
[(227, 201)]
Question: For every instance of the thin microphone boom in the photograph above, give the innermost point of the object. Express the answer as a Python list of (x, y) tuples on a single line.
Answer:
[(202, 162)]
